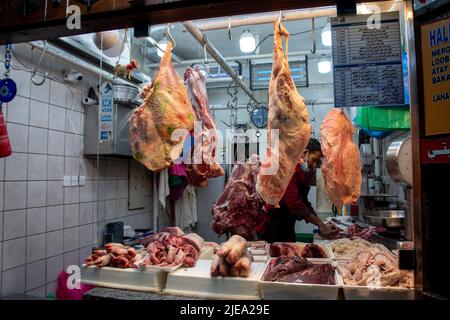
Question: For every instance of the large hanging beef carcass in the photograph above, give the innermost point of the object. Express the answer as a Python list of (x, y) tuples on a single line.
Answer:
[(166, 109), (341, 168), (289, 116), (203, 164), (238, 206)]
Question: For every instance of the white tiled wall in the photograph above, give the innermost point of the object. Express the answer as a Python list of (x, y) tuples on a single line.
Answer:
[(44, 226)]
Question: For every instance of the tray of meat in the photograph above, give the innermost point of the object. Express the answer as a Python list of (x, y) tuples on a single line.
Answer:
[(130, 279), (347, 249), (304, 250), (198, 282), (373, 274), (297, 278)]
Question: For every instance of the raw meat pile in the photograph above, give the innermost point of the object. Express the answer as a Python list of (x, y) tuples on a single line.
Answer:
[(355, 232), (232, 259), (171, 247), (341, 168), (203, 164), (375, 267), (299, 270), (166, 108), (288, 115), (347, 249), (236, 209), (310, 250), (114, 255)]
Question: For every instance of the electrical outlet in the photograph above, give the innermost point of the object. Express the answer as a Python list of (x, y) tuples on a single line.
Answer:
[(82, 180), (66, 182), (73, 181)]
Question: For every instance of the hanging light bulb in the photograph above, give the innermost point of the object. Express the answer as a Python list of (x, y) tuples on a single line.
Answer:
[(247, 42), (326, 35), (324, 66), (162, 44)]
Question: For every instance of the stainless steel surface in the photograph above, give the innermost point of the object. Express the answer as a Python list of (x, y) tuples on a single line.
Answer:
[(119, 145), (390, 243), (393, 219), (397, 156), (126, 93), (204, 42)]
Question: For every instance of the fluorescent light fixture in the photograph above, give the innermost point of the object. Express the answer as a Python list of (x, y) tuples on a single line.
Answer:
[(247, 42), (326, 35), (162, 44), (324, 66)]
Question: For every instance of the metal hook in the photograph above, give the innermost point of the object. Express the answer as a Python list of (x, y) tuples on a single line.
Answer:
[(279, 22), (229, 28), (39, 83), (170, 37), (313, 51)]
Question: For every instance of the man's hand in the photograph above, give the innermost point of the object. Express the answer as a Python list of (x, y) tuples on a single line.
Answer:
[(327, 230)]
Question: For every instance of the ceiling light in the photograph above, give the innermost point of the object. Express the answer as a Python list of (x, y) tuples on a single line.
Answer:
[(326, 35), (247, 42), (162, 46), (324, 66)]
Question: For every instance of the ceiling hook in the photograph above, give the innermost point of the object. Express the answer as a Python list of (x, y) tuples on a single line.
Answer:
[(229, 28), (313, 51), (170, 36), (39, 83)]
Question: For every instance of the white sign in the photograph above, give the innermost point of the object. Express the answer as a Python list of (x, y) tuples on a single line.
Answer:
[(106, 112), (367, 62)]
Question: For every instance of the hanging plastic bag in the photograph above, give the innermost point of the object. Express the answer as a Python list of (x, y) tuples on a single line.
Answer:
[(383, 118), (64, 293)]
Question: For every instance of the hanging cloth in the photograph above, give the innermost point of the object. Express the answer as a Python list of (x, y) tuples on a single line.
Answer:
[(186, 210), (163, 188)]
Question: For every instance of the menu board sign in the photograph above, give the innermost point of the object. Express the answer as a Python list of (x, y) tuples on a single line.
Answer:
[(367, 61)]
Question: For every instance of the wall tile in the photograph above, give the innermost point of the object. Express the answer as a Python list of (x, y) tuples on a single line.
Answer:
[(55, 243), (86, 213), (55, 193), (110, 209), (57, 118), (37, 167), (122, 188), (36, 194), (51, 287), (112, 168), (55, 218), (78, 96), (101, 207), (1, 236), (84, 253), (36, 248), (58, 93), (38, 292), (73, 122), (16, 167), (18, 110), (2, 169), (71, 166), (71, 215), (55, 143), (13, 281), (14, 224), (42, 92), (13, 253), (122, 169), (36, 221), (86, 235), (54, 266), (122, 207), (2, 188), (72, 145), (15, 195), (71, 239), (18, 136), (55, 168), (110, 189), (35, 275), (87, 192), (71, 195), (71, 259), (37, 140), (38, 114), (24, 79)]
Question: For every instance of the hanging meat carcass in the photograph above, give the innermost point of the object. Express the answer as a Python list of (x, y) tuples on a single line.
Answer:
[(341, 168), (289, 117), (202, 164), (238, 206), (166, 109)]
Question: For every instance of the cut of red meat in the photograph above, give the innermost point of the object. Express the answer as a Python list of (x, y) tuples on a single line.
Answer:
[(312, 250)]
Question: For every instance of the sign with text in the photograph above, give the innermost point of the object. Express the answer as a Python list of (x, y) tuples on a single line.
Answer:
[(367, 61), (436, 76), (106, 112), (435, 151)]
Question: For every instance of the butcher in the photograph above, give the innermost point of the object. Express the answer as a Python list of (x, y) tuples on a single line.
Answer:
[(277, 223)]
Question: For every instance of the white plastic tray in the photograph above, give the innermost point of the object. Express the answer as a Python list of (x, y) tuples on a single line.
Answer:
[(197, 282), (300, 291), (374, 293), (131, 279)]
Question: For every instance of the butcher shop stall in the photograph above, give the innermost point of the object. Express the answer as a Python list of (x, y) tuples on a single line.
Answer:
[(154, 160)]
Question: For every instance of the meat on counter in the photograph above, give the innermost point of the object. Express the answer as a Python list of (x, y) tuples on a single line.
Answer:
[(310, 250), (114, 255), (232, 259), (375, 267), (356, 232), (295, 269)]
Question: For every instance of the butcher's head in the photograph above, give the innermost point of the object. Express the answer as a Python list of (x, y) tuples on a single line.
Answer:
[(313, 154)]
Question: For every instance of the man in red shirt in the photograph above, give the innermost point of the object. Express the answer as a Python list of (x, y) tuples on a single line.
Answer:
[(277, 224)]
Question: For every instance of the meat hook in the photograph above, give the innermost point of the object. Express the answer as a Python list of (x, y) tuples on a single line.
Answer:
[(279, 22), (39, 83), (313, 51), (229, 28), (170, 37)]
